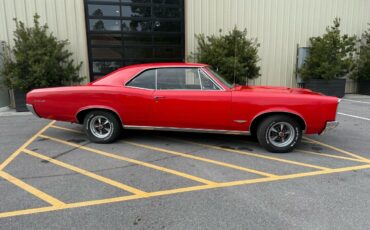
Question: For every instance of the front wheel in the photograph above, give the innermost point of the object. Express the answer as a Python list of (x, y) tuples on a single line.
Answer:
[(279, 133), (102, 127)]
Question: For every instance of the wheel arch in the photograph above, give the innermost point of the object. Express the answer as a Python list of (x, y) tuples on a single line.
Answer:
[(81, 113), (260, 117)]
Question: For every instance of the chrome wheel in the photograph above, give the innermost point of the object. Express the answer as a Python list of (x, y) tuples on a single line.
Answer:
[(101, 127), (281, 134)]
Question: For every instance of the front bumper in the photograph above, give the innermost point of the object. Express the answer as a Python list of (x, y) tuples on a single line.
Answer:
[(330, 125), (32, 110)]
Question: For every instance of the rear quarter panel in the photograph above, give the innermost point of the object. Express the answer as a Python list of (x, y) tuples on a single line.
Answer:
[(64, 103), (316, 110)]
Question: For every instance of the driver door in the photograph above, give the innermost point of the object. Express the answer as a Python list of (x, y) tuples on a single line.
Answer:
[(188, 98)]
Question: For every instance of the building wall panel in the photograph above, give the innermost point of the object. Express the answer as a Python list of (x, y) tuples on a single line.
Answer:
[(65, 18), (279, 26)]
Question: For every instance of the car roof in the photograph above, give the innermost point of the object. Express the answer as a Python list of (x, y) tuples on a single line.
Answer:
[(166, 64)]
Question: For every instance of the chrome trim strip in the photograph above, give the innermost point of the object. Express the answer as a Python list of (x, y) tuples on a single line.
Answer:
[(32, 110), (231, 132), (240, 121), (213, 80), (156, 79)]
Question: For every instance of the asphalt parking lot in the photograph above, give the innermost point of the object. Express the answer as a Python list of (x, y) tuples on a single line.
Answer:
[(52, 177)]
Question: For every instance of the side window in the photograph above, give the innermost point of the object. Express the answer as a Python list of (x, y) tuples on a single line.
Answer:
[(207, 84), (145, 80), (178, 78)]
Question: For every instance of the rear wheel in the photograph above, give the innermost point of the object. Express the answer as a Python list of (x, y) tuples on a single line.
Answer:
[(102, 127), (279, 133)]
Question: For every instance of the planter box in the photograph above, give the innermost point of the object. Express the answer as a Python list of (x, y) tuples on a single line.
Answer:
[(363, 87), (20, 101), (335, 87)]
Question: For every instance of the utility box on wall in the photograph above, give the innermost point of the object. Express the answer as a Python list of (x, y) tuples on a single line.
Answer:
[(302, 54), (4, 92)]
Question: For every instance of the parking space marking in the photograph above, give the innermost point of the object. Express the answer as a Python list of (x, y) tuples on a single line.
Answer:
[(59, 205), (145, 164), (255, 155), (183, 190), (66, 129), (338, 149), (330, 155), (87, 173), (34, 191), (20, 149), (201, 159), (354, 116)]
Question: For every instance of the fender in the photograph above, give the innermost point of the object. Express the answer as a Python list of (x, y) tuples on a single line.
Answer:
[(98, 107), (277, 110)]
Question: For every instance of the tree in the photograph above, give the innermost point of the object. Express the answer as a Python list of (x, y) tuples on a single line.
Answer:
[(331, 55), (363, 60), (233, 55), (38, 59)]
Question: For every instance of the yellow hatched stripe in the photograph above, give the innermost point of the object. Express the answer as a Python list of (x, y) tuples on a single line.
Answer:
[(257, 155), (201, 159), (330, 155), (145, 164), (338, 150), (182, 190), (87, 173), (34, 191), (20, 149), (66, 129)]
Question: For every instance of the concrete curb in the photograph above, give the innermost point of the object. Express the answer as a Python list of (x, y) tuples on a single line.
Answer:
[(8, 112)]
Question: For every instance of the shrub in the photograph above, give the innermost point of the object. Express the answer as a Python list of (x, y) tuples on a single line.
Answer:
[(362, 71), (233, 55), (331, 55), (38, 59)]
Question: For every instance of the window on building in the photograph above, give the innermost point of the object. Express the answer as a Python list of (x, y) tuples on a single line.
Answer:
[(125, 32)]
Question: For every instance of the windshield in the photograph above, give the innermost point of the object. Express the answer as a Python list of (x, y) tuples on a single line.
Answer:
[(221, 78)]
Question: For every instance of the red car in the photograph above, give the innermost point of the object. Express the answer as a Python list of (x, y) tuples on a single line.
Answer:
[(186, 97)]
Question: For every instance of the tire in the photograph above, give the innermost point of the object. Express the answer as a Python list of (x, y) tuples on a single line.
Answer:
[(272, 139), (102, 127)]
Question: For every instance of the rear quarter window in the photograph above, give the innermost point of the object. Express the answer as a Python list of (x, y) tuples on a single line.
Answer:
[(145, 80)]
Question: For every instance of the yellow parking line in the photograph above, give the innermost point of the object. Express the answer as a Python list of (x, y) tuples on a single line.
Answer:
[(34, 191), (330, 155), (87, 173), (256, 155), (66, 129), (183, 190), (19, 150), (68, 206), (338, 149), (145, 164), (202, 159)]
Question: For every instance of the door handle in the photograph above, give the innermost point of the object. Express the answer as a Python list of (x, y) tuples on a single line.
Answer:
[(159, 97)]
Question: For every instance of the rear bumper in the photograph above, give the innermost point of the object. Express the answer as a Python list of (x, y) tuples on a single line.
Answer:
[(330, 125), (32, 110)]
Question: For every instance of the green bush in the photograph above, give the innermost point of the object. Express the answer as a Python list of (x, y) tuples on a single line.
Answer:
[(362, 71), (38, 59), (232, 55), (331, 55)]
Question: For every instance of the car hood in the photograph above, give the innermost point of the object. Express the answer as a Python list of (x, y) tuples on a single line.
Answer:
[(274, 89)]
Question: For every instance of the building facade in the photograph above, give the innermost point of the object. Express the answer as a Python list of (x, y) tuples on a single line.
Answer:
[(108, 34)]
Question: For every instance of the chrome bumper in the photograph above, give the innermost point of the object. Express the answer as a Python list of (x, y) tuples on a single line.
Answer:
[(32, 110), (330, 125)]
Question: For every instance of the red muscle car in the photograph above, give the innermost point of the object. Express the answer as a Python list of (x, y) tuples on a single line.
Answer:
[(186, 97)]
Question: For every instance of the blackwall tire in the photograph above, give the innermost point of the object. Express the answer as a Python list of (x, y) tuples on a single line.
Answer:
[(102, 127), (279, 133)]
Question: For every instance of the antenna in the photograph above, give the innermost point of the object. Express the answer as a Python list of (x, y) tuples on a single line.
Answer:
[(235, 50)]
